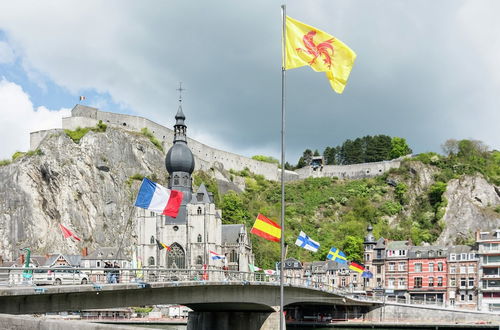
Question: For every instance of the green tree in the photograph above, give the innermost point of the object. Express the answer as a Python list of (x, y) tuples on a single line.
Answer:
[(470, 149), (306, 158), (400, 192), (399, 147), (378, 148), (436, 192), (234, 209), (450, 147), (330, 155), (353, 248), (352, 152)]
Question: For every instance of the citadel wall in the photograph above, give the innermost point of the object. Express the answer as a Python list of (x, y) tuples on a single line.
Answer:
[(207, 157), (354, 171)]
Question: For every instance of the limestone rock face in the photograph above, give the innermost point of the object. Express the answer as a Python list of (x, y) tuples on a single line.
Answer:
[(471, 204), (85, 186)]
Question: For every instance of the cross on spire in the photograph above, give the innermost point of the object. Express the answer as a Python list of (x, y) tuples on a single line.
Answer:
[(180, 89)]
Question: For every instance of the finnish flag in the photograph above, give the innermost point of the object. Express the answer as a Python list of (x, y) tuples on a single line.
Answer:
[(306, 242)]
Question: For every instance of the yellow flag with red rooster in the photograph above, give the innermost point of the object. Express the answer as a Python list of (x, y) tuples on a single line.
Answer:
[(306, 45)]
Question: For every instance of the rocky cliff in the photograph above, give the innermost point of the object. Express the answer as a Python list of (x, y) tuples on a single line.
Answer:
[(90, 187), (86, 186), (471, 207)]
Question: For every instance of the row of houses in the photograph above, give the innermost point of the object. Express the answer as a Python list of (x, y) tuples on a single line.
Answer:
[(462, 276)]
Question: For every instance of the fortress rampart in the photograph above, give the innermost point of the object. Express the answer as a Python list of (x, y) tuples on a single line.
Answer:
[(205, 156)]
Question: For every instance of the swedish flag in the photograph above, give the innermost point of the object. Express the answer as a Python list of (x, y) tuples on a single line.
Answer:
[(337, 255)]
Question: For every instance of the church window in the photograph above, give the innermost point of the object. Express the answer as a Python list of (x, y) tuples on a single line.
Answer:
[(199, 260), (233, 256), (199, 211), (185, 180), (151, 261), (152, 240), (176, 257), (176, 180), (175, 228), (199, 197), (199, 238)]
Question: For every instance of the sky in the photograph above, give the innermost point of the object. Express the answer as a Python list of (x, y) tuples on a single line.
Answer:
[(425, 70)]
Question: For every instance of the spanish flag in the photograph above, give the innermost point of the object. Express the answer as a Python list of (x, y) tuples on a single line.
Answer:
[(306, 45), (266, 228)]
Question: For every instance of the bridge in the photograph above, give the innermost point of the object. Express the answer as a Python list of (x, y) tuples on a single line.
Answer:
[(211, 294)]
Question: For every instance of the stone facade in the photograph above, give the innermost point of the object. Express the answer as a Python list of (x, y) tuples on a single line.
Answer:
[(196, 233)]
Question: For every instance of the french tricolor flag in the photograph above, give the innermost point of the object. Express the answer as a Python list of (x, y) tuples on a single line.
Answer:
[(159, 199), (216, 256)]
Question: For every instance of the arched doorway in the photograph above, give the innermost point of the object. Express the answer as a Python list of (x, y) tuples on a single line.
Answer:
[(176, 257)]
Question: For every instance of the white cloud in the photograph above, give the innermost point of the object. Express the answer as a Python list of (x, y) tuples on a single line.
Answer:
[(416, 74), (19, 118), (6, 53)]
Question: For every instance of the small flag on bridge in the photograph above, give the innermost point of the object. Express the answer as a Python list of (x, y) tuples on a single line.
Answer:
[(357, 267), (266, 228), (254, 268), (337, 255), (306, 242), (216, 256), (156, 198)]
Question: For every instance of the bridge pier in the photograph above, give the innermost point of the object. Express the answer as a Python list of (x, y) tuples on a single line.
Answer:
[(233, 320)]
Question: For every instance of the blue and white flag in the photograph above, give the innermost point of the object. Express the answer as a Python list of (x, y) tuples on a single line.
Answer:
[(306, 242)]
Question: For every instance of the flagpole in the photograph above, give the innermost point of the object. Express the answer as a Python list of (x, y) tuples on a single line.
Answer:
[(283, 71)]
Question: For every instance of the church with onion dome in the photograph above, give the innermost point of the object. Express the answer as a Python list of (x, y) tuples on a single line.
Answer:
[(197, 230)]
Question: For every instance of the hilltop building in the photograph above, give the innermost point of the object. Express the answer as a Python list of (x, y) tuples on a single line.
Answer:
[(198, 228)]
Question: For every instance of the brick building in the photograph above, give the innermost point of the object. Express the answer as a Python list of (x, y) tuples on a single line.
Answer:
[(427, 274)]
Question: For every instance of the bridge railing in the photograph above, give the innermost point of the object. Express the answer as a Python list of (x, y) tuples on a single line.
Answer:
[(19, 276), (16, 276)]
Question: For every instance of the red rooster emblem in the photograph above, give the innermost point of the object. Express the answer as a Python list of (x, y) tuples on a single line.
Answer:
[(322, 49)]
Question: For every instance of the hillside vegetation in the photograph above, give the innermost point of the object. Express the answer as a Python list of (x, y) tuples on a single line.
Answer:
[(398, 204)]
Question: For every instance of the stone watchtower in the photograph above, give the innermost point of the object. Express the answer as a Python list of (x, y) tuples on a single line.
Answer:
[(180, 161)]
